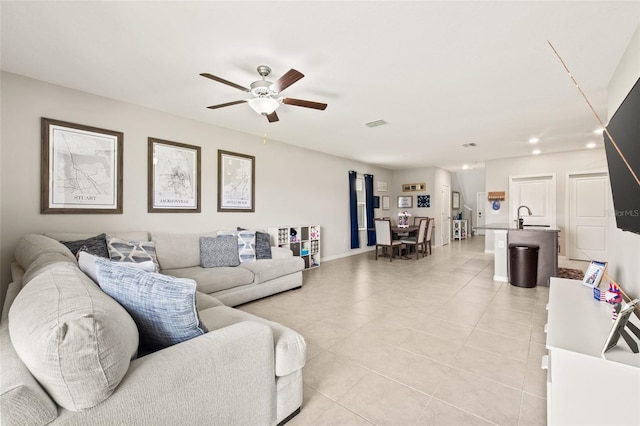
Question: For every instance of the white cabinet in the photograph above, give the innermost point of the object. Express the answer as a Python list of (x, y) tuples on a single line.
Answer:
[(583, 386), (460, 229), (303, 241)]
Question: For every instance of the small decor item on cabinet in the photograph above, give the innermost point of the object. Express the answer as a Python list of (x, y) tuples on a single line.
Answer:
[(598, 294), (613, 295), (403, 219), (594, 273), (294, 235), (618, 329)]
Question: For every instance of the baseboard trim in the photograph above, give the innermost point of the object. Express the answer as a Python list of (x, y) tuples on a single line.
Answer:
[(489, 251), (289, 417), (501, 278)]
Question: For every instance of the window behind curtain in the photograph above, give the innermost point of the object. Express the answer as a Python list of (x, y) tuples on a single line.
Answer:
[(362, 206)]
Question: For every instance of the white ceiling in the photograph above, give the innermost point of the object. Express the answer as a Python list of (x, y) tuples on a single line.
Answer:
[(441, 73)]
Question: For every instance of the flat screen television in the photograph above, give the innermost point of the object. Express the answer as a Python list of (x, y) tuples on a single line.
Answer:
[(624, 128)]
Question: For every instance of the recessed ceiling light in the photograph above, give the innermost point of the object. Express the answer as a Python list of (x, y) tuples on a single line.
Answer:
[(591, 145), (534, 140), (467, 145), (598, 131), (465, 167), (536, 152), (375, 123)]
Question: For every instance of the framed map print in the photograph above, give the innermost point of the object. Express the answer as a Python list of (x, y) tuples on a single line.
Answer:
[(81, 169), (174, 177), (236, 182)]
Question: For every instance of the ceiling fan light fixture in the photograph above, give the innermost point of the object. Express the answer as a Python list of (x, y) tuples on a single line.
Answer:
[(263, 106)]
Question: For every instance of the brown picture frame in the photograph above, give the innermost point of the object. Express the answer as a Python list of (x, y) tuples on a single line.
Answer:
[(455, 200), (236, 182), (405, 201), (173, 177), (81, 169)]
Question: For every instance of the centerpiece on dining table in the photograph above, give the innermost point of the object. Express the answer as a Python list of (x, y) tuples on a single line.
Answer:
[(403, 219)]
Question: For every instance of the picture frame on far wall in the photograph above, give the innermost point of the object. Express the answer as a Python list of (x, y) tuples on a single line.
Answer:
[(81, 168), (236, 182), (455, 200), (173, 177), (405, 201), (385, 202)]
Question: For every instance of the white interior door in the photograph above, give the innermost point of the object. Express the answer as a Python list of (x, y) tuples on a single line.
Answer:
[(445, 215), (588, 201), (481, 204), (536, 192)]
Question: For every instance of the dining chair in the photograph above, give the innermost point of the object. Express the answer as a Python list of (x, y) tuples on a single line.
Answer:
[(417, 219), (418, 240), (384, 238), (429, 234)]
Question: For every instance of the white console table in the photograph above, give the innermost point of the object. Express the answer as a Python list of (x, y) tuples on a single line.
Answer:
[(583, 386)]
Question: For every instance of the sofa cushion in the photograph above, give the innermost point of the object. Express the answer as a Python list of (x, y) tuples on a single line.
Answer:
[(131, 251), (76, 341), (211, 280), (290, 347), (22, 399), (219, 251), (205, 301), (176, 250), (163, 307), (87, 264), (266, 270), (31, 246), (95, 245)]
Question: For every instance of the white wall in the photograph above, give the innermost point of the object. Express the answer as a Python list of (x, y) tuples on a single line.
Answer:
[(624, 247), (293, 185), (434, 178), (497, 174), (469, 183)]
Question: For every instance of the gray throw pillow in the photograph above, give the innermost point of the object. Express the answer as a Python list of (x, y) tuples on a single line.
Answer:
[(163, 307), (219, 251), (95, 245)]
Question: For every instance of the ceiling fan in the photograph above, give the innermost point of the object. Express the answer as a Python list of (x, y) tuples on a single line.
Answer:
[(265, 99)]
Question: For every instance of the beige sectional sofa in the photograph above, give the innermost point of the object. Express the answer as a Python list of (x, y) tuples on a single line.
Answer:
[(69, 351)]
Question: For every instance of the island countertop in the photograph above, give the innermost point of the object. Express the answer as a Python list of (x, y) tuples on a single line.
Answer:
[(508, 227)]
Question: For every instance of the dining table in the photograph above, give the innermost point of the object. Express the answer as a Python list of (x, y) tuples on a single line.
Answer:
[(404, 230), (395, 230)]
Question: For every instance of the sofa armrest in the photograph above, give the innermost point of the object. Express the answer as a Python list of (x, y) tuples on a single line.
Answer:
[(223, 377), (280, 252)]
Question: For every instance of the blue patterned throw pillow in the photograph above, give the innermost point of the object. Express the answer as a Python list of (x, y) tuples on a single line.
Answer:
[(163, 307)]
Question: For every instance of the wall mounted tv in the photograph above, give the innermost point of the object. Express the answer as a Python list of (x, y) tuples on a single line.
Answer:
[(624, 128)]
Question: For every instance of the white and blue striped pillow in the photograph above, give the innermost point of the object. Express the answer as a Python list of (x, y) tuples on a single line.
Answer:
[(163, 307)]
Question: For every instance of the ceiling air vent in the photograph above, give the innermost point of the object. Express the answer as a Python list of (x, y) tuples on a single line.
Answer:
[(467, 145), (376, 123)]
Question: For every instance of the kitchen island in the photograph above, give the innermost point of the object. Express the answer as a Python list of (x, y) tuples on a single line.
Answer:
[(544, 237)]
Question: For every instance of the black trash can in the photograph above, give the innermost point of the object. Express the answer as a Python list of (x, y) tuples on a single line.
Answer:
[(523, 265)]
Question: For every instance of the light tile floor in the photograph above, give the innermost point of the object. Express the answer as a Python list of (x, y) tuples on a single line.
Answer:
[(429, 342)]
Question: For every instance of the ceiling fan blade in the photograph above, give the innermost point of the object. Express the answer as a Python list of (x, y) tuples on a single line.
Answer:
[(227, 104), (273, 117), (223, 81), (303, 103), (286, 80)]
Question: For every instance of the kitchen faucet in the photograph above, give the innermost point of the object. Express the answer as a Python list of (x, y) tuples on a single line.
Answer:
[(520, 219)]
